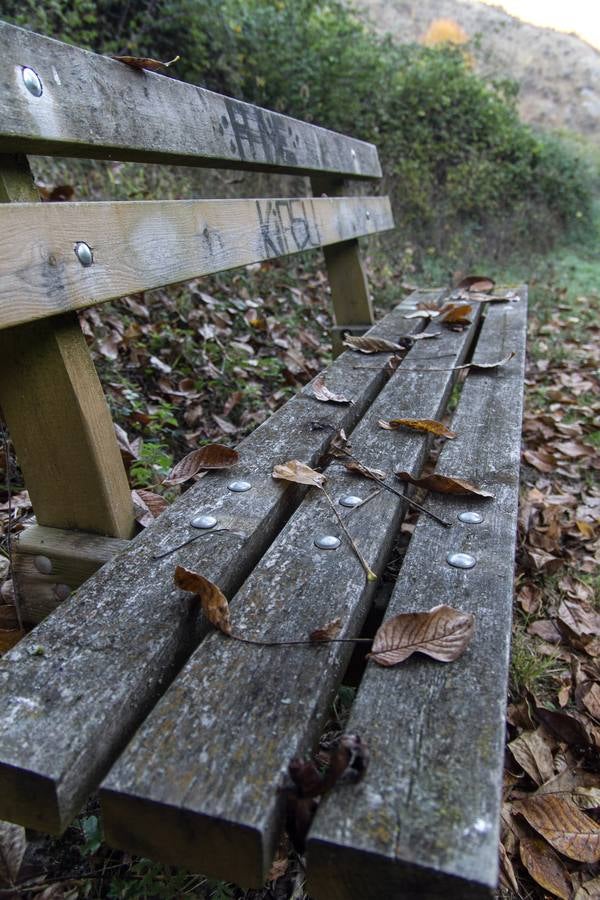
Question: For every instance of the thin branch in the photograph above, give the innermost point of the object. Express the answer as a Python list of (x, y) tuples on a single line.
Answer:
[(196, 538), (6, 448), (371, 576)]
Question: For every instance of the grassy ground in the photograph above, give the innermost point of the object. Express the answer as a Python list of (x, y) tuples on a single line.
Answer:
[(209, 361)]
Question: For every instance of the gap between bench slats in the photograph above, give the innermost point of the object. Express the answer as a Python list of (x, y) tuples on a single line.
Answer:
[(424, 821), (95, 107), (146, 244), (199, 784), (73, 691)]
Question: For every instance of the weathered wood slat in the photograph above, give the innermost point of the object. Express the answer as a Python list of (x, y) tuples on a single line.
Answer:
[(50, 563), (67, 709), (95, 107), (141, 245), (199, 784), (424, 821), (55, 409)]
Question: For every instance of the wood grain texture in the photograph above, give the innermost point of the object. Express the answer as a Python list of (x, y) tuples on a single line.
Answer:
[(110, 650), (97, 108), (55, 410), (141, 245), (424, 822), (346, 273), (48, 561), (199, 785)]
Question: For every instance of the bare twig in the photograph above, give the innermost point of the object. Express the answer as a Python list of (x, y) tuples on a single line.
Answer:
[(195, 538), (6, 449), (371, 576)]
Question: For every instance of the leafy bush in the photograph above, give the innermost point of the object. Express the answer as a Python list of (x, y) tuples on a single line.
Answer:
[(465, 175)]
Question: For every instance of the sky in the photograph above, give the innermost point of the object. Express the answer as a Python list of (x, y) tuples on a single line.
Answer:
[(580, 16)]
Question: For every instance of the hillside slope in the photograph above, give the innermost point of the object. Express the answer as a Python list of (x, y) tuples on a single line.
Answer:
[(558, 74)]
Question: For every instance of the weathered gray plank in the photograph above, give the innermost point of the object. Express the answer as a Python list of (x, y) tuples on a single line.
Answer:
[(199, 784), (141, 245), (424, 822), (95, 107), (67, 709)]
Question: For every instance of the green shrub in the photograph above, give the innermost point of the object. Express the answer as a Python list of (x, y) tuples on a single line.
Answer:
[(465, 175)]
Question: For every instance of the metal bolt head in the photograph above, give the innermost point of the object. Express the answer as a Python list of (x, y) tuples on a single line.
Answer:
[(238, 487), (368, 214), (353, 152), (203, 521), (327, 542), (350, 500), (461, 560), (32, 81), (43, 565), (84, 253), (470, 518)]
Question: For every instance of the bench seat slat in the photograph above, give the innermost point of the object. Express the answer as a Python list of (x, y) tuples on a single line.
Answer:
[(199, 784), (424, 821), (142, 245), (94, 107), (73, 691)]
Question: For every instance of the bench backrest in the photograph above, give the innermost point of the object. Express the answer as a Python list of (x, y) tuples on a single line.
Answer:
[(57, 258)]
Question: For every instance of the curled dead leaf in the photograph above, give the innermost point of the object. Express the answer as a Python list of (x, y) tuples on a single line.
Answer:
[(442, 633), (545, 867), (322, 392), (490, 365), (423, 314), (339, 444), (144, 62), (373, 345), (427, 425), (455, 314), (563, 825), (326, 632), (212, 456), (299, 473), (214, 603), (479, 283), (353, 465), (444, 484)]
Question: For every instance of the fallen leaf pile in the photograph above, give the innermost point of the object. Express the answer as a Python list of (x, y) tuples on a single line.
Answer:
[(551, 817)]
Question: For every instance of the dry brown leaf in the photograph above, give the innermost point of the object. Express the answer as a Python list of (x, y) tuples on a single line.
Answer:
[(372, 345), (442, 633), (508, 878), (212, 456), (214, 603), (322, 392), (59, 194), (589, 891), (427, 425), (423, 335), (545, 867), (326, 632), (444, 484), (491, 365), (579, 617), (455, 314), (423, 314), (353, 465), (144, 62), (299, 473), (479, 283), (564, 825), (12, 850), (533, 753)]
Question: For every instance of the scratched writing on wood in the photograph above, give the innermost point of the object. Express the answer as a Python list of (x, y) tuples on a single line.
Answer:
[(260, 135), (287, 226)]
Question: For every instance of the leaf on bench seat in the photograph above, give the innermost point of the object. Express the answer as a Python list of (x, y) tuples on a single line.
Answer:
[(326, 632), (144, 62), (427, 425), (444, 484), (299, 473), (322, 392), (374, 345), (212, 456), (442, 633), (214, 603)]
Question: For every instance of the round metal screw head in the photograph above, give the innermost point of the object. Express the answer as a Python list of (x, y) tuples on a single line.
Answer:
[(238, 487), (32, 82), (327, 542), (470, 518), (43, 565), (368, 214), (350, 500), (203, 522), (84, 253), (461, 560)]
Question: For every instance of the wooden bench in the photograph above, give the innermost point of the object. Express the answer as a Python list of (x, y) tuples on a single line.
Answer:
[(125, 686)]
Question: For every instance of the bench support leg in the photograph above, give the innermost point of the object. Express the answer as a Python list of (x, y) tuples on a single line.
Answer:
[(56, 413), (352, 308)]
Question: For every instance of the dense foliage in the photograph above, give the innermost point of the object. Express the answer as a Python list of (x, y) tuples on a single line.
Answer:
[(462, 169)]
